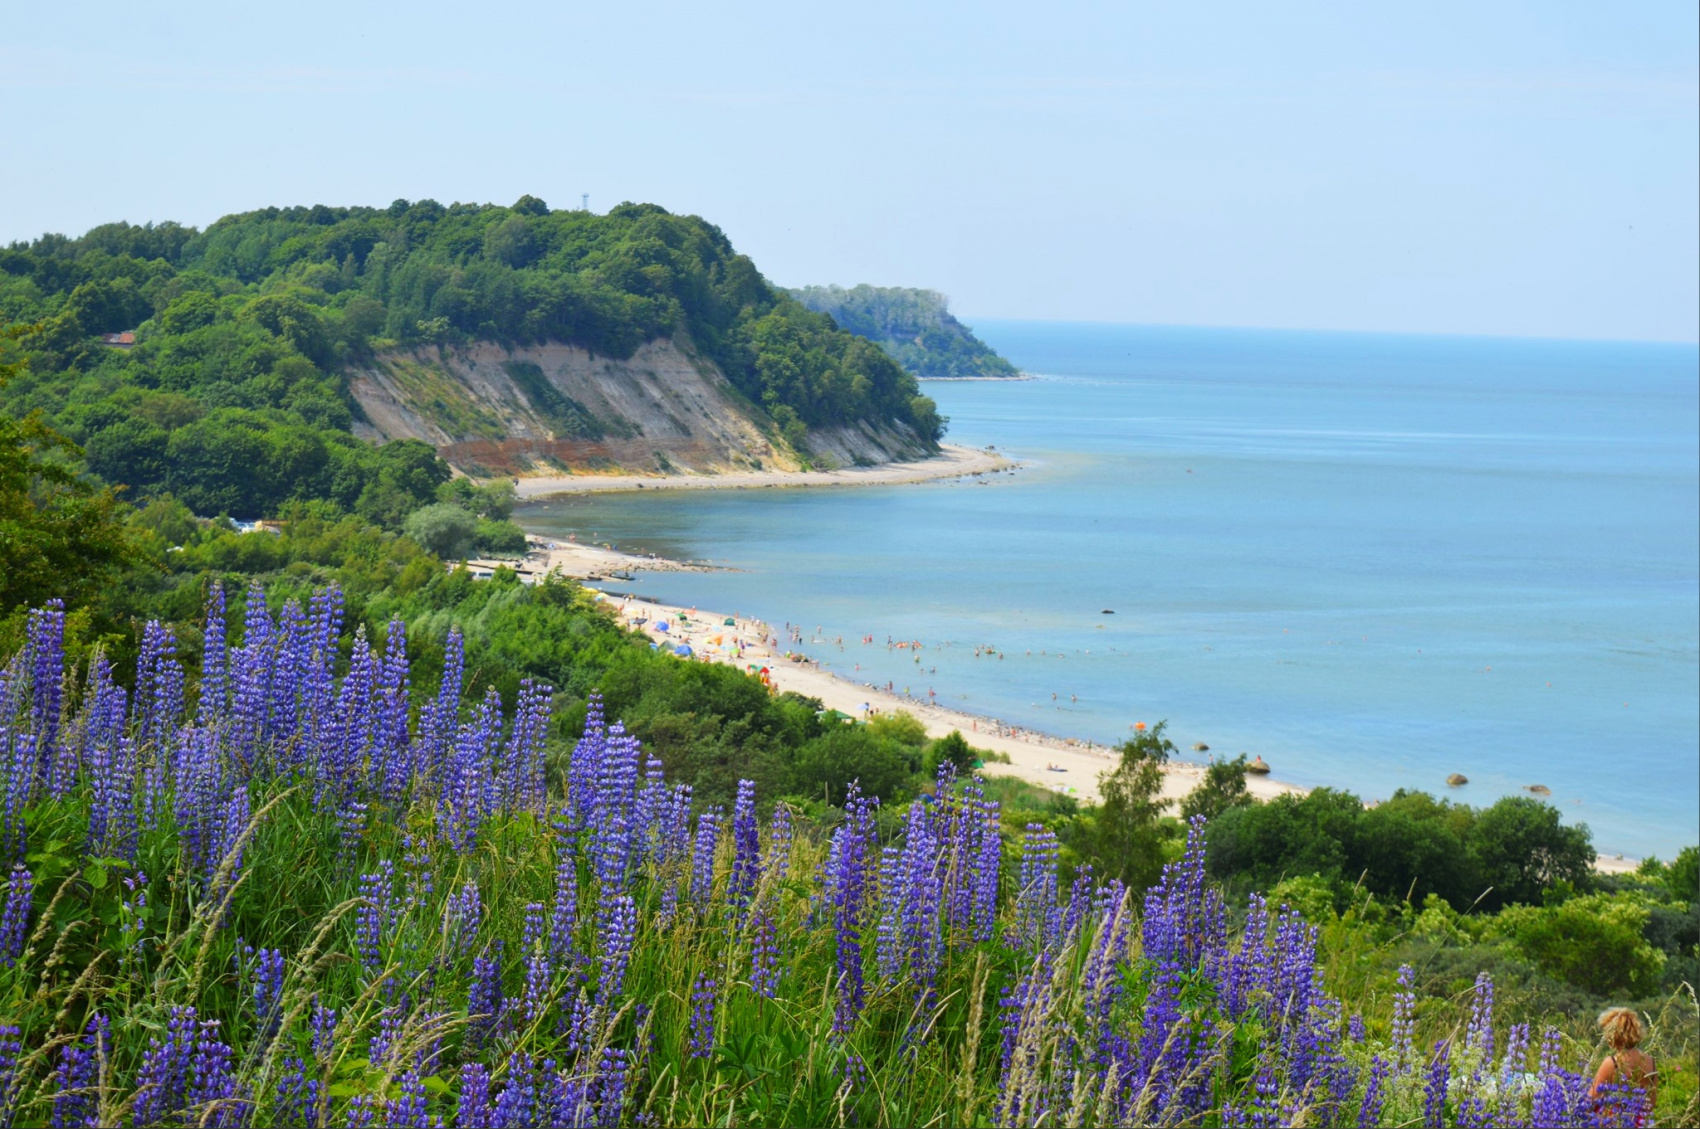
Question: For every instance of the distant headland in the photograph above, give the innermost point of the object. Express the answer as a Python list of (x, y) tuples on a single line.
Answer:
[(915, 327)]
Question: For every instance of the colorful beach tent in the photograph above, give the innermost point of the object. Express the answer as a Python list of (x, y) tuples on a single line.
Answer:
[(682, 649), (662, 626), (728, 623)]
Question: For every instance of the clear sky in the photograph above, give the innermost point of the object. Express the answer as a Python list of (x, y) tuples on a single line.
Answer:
[(1501, 168)]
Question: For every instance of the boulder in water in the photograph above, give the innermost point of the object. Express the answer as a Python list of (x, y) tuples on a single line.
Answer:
[(1200, 747), (1259, 766), (1540, 789), (1456, 779)]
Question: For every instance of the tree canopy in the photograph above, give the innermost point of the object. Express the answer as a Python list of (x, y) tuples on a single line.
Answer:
[(233, 396)]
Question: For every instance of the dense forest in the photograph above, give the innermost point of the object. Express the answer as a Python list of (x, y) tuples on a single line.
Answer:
[(914, 326), (210, 364)]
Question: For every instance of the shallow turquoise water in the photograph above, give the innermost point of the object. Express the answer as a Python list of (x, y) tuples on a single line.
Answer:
[(1373, 560)]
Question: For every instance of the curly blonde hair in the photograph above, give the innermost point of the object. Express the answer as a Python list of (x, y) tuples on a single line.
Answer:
[(1622, 1027)]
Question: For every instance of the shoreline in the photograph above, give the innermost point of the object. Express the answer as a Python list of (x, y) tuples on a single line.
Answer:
[(953, 461), (1065, 765), (1058, 764)]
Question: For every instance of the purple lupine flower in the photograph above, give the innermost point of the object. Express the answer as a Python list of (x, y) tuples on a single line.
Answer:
[(1404, 1019), (462, 913), (112, 768), (1434, 1088), (467, 789), (214, 687), (703, 999), (421, 874), (610, 817), (440, 717), (213, 1087), (619, 930), (1369, 1114), (15, 918), (485, 1002), (1355, 1028), (74, 1078), (295, 1104), (539, 972), (407, 1111), (746, 850), (588, 754), (17, 777), (227, 847), (362, 1112), (563, 915), (11, 1051), (162, 1084), (473, 1110), (372, 923), (847, 889), (392, 760), (268, 970), (1036, 898), (702, 856), (382, 1044), (516, 1105), (250, 676), (323, 1027), (523, 783), (764, 955), (45, 656), (1516, 1058), (1479, 1035)]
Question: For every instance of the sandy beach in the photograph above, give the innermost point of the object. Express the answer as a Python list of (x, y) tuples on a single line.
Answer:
[(1060, 764), (954, 461)]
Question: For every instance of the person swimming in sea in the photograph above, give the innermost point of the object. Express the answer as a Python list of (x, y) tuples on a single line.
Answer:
[(1627, 1064)]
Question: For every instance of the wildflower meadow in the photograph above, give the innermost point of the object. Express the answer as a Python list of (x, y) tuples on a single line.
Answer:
[(295, 893)]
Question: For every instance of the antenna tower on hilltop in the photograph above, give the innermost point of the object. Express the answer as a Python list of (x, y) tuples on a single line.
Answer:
[(584, 202)]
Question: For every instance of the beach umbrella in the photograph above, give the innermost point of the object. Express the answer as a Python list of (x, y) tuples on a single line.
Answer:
[(682, 649), (662, 626)]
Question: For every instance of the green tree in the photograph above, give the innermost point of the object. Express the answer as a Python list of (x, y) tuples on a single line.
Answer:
[(59, 536), (953, 749), (1683, 875), (131, 453), (1522, 848), (1258, 845), (443, 528), (1223, 787), (1128, 838)]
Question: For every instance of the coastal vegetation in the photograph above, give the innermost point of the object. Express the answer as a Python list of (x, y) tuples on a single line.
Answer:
[(915, 327), (212, 365), (301, 826)]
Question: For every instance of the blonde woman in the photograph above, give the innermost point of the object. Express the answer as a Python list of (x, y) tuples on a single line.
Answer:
[(1627, 1062)]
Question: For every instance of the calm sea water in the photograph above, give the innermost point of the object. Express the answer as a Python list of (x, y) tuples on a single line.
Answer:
[(1374, 560)]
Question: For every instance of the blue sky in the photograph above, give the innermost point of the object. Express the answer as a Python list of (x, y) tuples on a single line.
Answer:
[(1507, 168)]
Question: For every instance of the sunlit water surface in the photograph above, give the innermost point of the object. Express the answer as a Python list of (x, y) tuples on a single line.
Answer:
[(1373, 560)]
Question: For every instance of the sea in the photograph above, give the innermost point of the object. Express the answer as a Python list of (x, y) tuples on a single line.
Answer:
[(1372, 560)]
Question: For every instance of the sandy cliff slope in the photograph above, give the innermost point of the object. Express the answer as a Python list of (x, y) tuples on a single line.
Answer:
[(546, 408)]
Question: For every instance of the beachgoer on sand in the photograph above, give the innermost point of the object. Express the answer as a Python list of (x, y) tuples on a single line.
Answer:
[(1627, 1064)]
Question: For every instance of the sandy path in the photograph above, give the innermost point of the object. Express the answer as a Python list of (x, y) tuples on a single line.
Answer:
[(954, 461), (1034, 757)]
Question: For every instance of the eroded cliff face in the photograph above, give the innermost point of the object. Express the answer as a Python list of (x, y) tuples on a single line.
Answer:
[(547, 408)]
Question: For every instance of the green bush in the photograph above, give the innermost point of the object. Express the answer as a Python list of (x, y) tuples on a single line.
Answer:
[(1594, 941)]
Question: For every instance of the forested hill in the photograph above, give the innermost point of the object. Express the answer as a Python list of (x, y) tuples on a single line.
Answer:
[(235, 393), (914, 326)]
